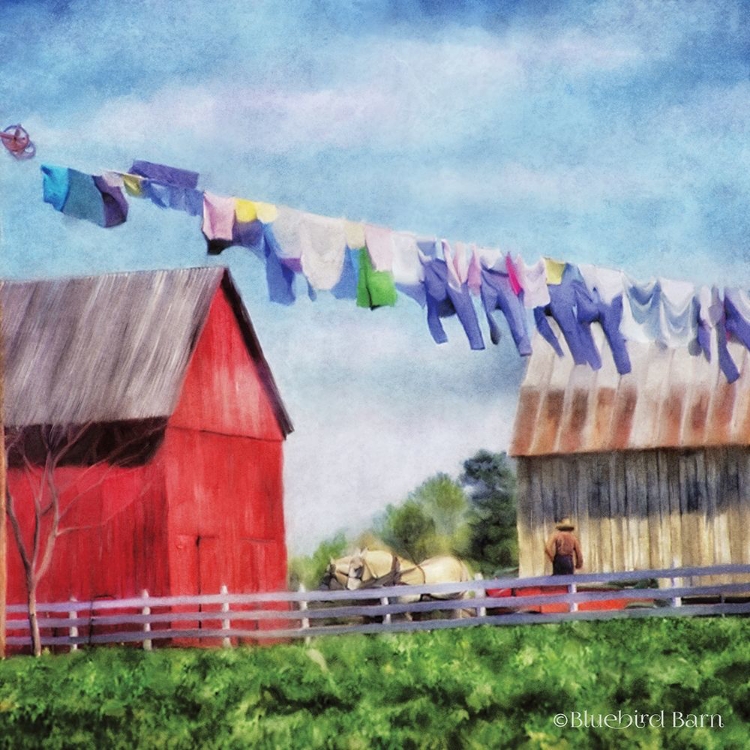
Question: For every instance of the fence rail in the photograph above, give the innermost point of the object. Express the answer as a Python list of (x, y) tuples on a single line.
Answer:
[(227, 619)]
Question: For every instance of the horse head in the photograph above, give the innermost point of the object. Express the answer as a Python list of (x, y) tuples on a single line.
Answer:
[(334, 577), (372, 568), (357, 573)]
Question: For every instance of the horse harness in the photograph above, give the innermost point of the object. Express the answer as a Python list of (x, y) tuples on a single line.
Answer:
[(392, 578)]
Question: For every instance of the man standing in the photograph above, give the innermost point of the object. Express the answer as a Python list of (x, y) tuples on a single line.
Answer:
[(563, 549)]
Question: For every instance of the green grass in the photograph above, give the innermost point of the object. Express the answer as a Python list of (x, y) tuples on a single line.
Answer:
[(476, 688)]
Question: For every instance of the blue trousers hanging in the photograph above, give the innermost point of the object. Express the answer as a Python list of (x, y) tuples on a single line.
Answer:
[(444, 301), (563, 305), (497, 294), (280, 278), (591, 309)]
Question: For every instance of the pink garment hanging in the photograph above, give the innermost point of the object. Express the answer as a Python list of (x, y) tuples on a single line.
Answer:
[(380, 247), (474, 274), (218, 217), (452, 267), (515, 282), (534, 283), (461, 261)]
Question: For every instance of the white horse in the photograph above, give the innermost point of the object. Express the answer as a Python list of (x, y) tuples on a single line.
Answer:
[(440, 569), (372, 567), (369, 568), (336, 576)]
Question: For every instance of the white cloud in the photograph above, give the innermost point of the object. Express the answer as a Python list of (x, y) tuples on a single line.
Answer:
[(583, 188), (389, 93), (578, 53)]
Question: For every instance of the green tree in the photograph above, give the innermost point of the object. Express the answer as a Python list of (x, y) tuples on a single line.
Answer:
[(431, 521), (493, 538), (408, 530), (309, 569)]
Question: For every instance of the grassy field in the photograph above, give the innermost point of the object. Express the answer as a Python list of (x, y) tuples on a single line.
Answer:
[(475, 688)]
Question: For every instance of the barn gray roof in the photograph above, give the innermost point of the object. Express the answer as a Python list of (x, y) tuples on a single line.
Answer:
[(112, 347)]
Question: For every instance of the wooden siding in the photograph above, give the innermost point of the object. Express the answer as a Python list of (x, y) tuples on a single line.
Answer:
[(228, 489), (119, 516), (636, 510), (223, 452), (223, 391)]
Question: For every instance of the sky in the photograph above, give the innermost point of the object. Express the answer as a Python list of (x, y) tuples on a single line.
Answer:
[(613, 133)]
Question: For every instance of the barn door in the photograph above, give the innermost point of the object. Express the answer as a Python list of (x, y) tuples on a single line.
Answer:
[(209, 578), (209, 569)]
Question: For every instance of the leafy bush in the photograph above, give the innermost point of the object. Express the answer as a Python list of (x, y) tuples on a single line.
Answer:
[(476, 687)]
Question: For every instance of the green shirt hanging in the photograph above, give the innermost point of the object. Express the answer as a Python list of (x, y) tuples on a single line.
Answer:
[(374, 288)]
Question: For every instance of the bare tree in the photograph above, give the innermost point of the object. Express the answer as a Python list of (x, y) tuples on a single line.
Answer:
[(39, 453)]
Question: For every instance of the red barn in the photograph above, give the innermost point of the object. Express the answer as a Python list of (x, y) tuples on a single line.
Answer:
[(144, 404)]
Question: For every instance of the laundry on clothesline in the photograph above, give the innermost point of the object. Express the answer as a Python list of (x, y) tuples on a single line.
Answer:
[(84, 196), (372, 265)]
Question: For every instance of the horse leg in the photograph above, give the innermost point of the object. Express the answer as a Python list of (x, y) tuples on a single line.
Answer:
[(463, 613)]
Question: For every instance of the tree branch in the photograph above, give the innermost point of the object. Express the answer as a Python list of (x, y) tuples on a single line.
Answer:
[(70, 529), (16, 526)]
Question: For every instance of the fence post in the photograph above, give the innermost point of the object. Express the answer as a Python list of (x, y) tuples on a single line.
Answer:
[(147, 643), (676, 600), (571, 590), (387, 616), (480, 593), (305, 621), (226, 642), (73, 631)]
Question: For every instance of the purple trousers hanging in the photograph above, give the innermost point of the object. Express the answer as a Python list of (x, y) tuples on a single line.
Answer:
[(563, 306), (444, 301), (115, 204), (733, 322), (702, 341), (726, 363), (280, 278), (591, 309), (165, 175), (497, 294), (545, 329)]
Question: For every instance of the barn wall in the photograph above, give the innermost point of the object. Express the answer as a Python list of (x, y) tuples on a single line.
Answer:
[(636, 510), (222, 391), (223, 453), (226, 521), (117, 543)]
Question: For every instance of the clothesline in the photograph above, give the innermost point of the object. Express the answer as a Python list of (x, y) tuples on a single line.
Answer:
[(371, 264)]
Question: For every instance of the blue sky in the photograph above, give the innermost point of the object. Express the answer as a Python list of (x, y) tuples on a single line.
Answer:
[(605, 132)]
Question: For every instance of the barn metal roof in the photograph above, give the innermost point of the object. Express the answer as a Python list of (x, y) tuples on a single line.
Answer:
[(671, 399), (111, 347)]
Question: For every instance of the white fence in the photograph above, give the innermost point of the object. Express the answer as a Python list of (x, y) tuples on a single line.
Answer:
[(227, 619)]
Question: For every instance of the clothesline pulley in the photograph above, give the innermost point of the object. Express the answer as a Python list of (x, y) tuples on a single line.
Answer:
[(17, 141)]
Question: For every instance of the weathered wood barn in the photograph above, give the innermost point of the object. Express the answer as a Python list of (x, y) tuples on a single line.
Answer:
[(652, 466), (144, 404)]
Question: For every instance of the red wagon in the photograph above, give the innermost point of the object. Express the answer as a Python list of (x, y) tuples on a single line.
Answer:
[(507, 607)]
